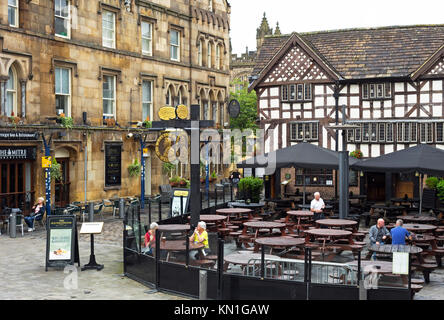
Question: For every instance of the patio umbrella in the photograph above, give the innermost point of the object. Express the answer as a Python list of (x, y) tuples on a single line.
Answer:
[(422, 158), (302, 155)]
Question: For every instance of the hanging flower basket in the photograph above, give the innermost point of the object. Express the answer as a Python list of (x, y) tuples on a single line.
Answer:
[(356, 154)]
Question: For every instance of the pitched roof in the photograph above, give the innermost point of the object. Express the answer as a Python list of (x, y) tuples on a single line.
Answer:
[(366, 53)]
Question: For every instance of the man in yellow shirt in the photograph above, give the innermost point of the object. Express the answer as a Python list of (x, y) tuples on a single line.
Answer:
[(200, 235)]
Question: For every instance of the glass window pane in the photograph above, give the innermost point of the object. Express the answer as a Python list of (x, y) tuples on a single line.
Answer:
[(146, 91), (10, 84), (62, 103), (174, 37), (12, 3), (146, 30), (65, 8), (61, 26), (146, 107), (10, 97), (12, 16)]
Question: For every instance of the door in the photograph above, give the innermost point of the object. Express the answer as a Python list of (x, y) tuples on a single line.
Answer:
[(16, 185), (405, 185), (376, 187), (148, 176), (62, 186)]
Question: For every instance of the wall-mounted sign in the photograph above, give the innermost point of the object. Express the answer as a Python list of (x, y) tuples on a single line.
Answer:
[(170, 113), (62, 246), (234, 108), (18, 153), (113, 165), (46, 162), (19, 135)]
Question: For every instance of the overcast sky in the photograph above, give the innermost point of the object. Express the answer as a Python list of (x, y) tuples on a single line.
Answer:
[(317, 15)]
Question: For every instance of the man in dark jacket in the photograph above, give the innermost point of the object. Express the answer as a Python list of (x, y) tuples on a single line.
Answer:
[(378, 234)]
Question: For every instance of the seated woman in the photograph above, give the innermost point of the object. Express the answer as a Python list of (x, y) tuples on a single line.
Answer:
[(150, 239), (37, 213), (200, 235)]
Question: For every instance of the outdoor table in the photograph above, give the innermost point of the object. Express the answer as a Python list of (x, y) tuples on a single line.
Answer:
[(242, 259), (299, 215), (338, 223), (280, 242), (368, 266), (246, 205), (410, 201), (420, 228), (173, 228), (234, 212), (264, 225), (389, 209), (213, 218), (308, 207), (328, 234), (418, 219), (178, 246)]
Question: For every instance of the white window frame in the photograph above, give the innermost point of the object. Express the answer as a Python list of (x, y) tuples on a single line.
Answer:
[(439, 124), (148, 39), (16, 9), (13, 91), (109, 115), (298, 128), (104, 40), (150, 102), (382, 132), (389, 138), (284, 93), (68, 112), (209, 55), (175, 45), (68, 19)]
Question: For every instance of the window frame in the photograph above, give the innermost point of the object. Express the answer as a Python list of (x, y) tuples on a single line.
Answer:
[(151, 107), (210, 55), (68, 18), (368, 88), (69, 95), (313, 129), (16, 10), (442, 131), (114, 40), (218, 61), (200, 53), (14, 91), (114, 99), (150, 39), (178, 45), (284, 94)]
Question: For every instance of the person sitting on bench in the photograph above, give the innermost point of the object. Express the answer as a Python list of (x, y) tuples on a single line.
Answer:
[(399, 233), (200, 235), (150, 239)]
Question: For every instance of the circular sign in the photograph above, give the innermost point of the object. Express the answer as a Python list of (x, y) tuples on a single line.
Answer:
[(163, 145), (234, 108)]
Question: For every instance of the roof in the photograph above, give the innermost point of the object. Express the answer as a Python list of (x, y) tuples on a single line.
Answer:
[(366, 53)]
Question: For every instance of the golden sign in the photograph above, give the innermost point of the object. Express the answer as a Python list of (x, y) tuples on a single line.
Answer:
[(46, 162), (182, 112), (179, 193), (167, 113), (164, 146)]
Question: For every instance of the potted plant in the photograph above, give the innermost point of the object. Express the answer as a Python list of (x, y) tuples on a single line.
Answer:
[(213, 176), (175, 181), (135, 168), (251, 188), (56, 170), (432, 182), (356, 154), (167, 168), (147, 124), (183, 183), (66, 122)]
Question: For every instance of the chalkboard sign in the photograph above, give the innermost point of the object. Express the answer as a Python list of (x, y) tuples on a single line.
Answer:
[(62, 246), (113, 165), (176, 207)]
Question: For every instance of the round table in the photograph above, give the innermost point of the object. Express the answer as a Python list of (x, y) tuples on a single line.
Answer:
[(234, 211), (387, 208), (174, 227), (388, 248), (212, 218), (330, 223), (179, 245), (419, 228), (418, 219), (280, 241), (424, 238), (308, 206), (405, 200), (300, 215), (243, 258), (329, 233), (382, 267), (246, 205)]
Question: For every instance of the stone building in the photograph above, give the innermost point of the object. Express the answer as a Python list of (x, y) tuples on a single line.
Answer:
[(108, 64)]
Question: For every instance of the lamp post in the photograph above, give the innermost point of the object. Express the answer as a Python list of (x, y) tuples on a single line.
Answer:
[(343, 165)]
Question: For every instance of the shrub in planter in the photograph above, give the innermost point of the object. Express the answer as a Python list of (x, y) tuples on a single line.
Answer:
[(56, 170), (213, 176), (175, 182), (251, 188), (356, 154), (432, 182), (440, 190)]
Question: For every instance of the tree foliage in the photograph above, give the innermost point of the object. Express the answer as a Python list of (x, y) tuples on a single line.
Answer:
[(248, 108)]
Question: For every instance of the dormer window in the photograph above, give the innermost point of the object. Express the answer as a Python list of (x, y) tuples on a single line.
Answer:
[(376, 91)]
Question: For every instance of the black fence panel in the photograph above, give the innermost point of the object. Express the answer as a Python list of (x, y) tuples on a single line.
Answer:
[(179, 279), (389, 294), (140, 266), (333, 292)]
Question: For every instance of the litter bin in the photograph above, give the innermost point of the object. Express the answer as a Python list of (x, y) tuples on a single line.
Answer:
[(13, 222)]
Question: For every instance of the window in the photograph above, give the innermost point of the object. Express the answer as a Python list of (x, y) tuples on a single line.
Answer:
[(209, 53), (304, 131), (299, 92), (440, 132), (365, 133), (169, 97), (109, 96), (63, 91), (389, 135), (13, 13), (11, 93), (358, 135), (407, 132), (205, 110), (199, 57), (373, 132), (214, 107), (113, 165), (376, 91), (109, 29), (284, 91), (350, 136), (175, 45), (218, 62), (210, 5), (426, 132), (413, 132), (147, 38), (314, 177), (62, 20), (381, 132), (147, 100)]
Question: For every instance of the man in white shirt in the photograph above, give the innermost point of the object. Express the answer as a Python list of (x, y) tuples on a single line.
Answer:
[(317, 206)]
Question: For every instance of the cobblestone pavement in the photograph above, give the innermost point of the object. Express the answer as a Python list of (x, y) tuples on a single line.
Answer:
[(22, 265)]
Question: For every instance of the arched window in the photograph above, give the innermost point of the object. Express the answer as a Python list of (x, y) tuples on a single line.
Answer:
[(11, 93), (169, 97), (209, 53), (200, 57), (218, 64)]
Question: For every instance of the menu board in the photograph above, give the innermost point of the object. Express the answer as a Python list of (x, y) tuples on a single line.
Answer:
[(62, 243), (113, 165), (176, 207)]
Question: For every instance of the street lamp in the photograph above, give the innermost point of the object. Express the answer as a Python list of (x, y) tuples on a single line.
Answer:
[(343, 164)]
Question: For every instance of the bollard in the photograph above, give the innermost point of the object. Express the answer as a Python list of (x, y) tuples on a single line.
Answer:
[(12, 224), (91, 212), (203, 285), (121, 208)]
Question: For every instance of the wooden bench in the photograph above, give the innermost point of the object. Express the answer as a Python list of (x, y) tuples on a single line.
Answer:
[(203, 263), (426, 269)]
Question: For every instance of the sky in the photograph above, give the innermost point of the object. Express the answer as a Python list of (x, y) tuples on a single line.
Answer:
[(319, 15)]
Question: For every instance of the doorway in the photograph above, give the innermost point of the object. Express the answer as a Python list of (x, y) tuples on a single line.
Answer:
[(62, 186), (16, 185), (376, 186)]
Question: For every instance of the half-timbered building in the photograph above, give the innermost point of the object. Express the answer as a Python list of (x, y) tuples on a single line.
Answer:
[(390, 80)]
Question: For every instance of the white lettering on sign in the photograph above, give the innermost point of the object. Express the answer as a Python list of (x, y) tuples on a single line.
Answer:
[(13, 154)]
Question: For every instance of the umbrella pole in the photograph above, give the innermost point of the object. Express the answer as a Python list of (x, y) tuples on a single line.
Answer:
[(303, 176), (420, 192)]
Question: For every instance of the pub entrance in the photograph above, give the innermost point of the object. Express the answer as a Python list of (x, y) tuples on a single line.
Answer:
[(17, 185), (376, 186), (62, 185)]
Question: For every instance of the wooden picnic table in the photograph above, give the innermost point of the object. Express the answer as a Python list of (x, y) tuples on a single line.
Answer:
[(264, 225), (387, 209), (400, 201), (300, 215), (388, 248), (234, 212), (419, 228), (326, 234), (368, 266), (246, 205), (337, 223), (174, 227), (278, 242), (308, 207), (242, 259), (212, 218), (178, 246), (418, 219)]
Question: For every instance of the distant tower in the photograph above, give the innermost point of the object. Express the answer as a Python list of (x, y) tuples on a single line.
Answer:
[(262, 31), (277, 31)]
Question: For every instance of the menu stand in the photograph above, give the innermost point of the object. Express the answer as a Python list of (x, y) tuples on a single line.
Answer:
[(92, 228)]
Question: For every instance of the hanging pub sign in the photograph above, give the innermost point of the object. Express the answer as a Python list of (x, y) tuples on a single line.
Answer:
[(17, 153), (62, 244), (113, 165), (19, 135)]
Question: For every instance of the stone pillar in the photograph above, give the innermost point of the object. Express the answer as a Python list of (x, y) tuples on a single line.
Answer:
[(23, 94)]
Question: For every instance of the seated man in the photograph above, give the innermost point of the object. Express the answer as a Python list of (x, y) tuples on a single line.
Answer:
[(150, 239), (399, 233), (317, 206), (378, 234), (200, 235)]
